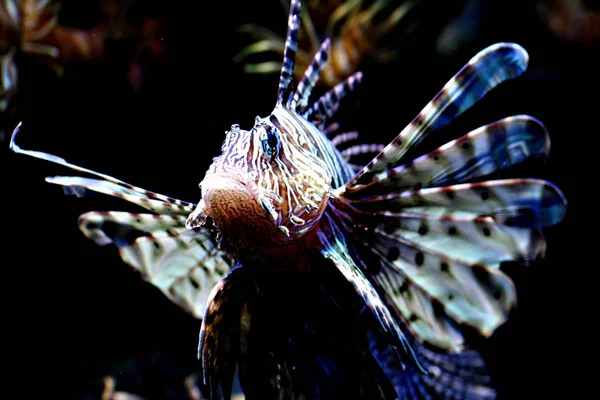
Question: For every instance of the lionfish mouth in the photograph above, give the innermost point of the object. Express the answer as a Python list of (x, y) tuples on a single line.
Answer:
[(231, 199)]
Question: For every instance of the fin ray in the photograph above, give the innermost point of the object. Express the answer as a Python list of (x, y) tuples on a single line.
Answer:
[(487, 149), (310, 78), (183, 264), (530, 203), (482, 73), (286, 78)]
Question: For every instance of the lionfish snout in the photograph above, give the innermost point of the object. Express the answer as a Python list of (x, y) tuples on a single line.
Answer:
[(237, 206)]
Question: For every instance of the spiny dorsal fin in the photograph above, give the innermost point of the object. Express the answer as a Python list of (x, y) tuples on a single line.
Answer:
[(310, 78), (286, 78), (329, 103)]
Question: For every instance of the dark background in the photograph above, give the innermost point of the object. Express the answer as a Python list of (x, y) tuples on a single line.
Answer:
[(76, 312)]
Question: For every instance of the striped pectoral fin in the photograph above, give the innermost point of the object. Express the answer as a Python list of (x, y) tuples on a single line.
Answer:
[(488, 149), (474, 295), (338, 254), (225, 326), (286, 78), (160, 204), (106, 184), (466, 236), (183, 264), (122, 228), (526, 203), (184, 267), (482, 73), (421, 314)]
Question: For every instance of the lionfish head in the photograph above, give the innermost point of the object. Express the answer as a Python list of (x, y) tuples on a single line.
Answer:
[(267, 187)]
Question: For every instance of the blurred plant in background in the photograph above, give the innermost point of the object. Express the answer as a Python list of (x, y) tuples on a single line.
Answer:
[(356, 29), (25, 26)]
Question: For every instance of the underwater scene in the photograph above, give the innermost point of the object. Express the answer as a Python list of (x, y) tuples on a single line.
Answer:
[(305, 199)]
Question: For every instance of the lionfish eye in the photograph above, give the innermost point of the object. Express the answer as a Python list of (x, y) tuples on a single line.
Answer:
[(270, 142)]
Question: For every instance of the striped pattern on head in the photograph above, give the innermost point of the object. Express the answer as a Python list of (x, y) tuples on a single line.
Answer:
[(270, 184)]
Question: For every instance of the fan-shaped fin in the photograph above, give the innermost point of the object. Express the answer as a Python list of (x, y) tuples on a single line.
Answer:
[(483, 151), (183, 264), (155, 202), (336, 251), (107, 185), (482, 73), (476, 295), (529, 203)]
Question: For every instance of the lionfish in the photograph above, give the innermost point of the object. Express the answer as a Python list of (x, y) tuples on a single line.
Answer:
[(354, 33), (413, 247)]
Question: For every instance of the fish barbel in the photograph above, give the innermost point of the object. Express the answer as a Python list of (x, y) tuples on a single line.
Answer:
[(419, 242)]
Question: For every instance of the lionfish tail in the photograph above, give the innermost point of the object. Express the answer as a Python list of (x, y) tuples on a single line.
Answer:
[(434, 244), (461, 375)]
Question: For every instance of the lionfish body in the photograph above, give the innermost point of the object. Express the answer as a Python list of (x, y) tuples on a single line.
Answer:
[(417, 247)]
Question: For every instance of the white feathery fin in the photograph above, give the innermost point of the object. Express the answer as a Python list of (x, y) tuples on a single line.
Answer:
[(183, 264), (107, 185), (524, 202), (444, 246), (490, 67), (475, 295), (433, 292), (310, 78), (286, 78)]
